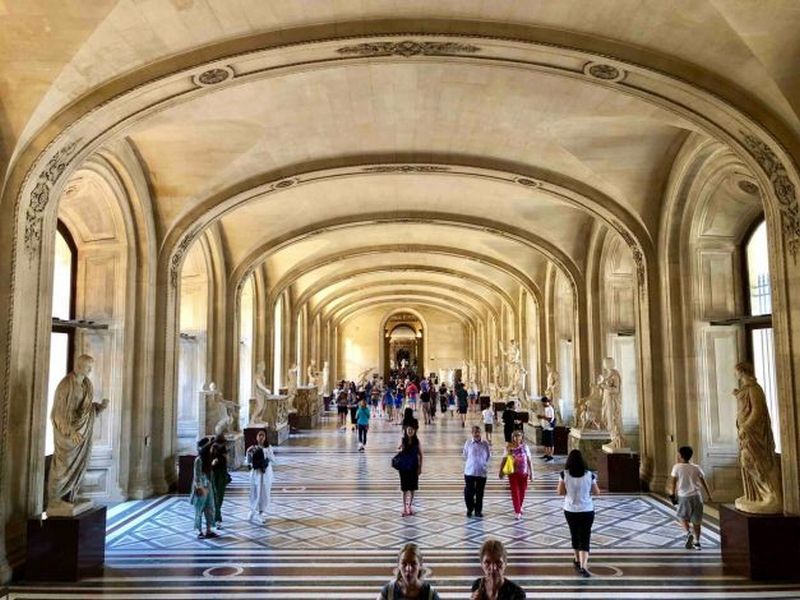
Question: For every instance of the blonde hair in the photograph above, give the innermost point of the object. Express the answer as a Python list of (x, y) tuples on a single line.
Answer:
[(413, 549)]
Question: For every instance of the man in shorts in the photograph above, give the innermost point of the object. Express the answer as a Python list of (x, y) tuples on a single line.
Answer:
[(686, 484), (488, 423)]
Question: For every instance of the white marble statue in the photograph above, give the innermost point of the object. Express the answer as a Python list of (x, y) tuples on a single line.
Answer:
[(588, 410), (326, 379), (610, 384), (514, 370), (258, 404), (759, 464), (313, 374), (291, 383), (224, 414), (73, 415), (464, 371), (553, 390), (361, 380), (484, 382)]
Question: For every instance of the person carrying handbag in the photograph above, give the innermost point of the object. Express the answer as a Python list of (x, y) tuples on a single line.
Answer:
[(517, 455)]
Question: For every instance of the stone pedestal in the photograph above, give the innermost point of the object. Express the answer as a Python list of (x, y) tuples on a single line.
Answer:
[(234, 442), (485, 401), (66, 548), (618, 472), (185, 473), (561, 440), (307, 403), (759, 546), (277, 417), (589, 442)]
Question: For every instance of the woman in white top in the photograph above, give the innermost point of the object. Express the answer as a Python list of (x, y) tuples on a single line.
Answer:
[(260, 459), (578, 484)]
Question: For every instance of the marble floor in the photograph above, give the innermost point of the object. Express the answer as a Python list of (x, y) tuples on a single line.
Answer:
[(335, 529)]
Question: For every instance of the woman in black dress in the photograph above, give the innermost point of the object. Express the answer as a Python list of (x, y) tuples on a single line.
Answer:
[(410, 467)]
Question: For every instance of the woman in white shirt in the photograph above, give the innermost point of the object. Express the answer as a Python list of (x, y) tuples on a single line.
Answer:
[(578, 484)]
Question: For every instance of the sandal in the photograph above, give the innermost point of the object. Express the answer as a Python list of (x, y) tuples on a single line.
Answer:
[(201, 535)]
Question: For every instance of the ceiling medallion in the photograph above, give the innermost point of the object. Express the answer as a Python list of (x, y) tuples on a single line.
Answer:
[(603, 71), (405, 169), (748, 187), (527, 182), (213, 76), (408, 48)]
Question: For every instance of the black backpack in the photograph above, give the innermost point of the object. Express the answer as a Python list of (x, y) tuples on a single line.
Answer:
[(260, 460)]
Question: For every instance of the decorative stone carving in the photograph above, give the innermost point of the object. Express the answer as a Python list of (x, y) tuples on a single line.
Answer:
[(553, 390), (782, 186), (73, 415), (589, 410), (40, 195), (761, 476), (220, 415), (748, 187), (408, 48), (405, 169), (177, 257), (603, 71), (527, 182), (610, 384), (214, 76), (308, 407), (636, 251)]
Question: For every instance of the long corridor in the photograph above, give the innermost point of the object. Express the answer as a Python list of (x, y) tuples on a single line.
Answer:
[(335, 529)]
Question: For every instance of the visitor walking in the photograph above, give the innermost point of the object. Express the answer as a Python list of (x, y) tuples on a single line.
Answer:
[(398, 406), (477, 454), (409, 580), (388, 403), (202, 497), (362, 421), (548, 422), (578, 484), (494, 585), (341, 409), (409, 465), (443, 399), (220, 478), (425, 404), (686, 484), (463, 402), (260, 459), (488, 423), (520, 471)]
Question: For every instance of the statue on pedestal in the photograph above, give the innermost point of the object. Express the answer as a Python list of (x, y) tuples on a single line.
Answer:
[(610, 384), (73, 415), (258, 404), (291, 383), (313, 374), (760, 467), (553, 390), (326, 379), (224, 414), (588, 410), (484, 382)]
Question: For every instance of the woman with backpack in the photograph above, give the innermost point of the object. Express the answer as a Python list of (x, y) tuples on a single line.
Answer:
[(517, 465), (260, 459)]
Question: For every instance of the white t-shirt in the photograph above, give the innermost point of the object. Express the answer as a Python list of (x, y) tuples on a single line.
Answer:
[(488, 417), (579, 492), (688, 477), (550, 414)]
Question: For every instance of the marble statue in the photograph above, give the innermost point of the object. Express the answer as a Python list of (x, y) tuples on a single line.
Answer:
[(484, 382), (610, 384), (361, 380), (760, 467), (553, 390), (73, 415), (224, 414), (258, 404), (291, 383), (313, 374), (326, 379), (464, 371), (472, 377), (588, 410), (514, 369)]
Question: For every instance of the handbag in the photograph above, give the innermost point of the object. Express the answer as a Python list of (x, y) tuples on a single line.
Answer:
[(508, 465), (397, 460)]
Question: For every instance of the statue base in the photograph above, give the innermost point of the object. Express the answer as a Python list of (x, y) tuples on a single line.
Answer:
[(561, 440), (66, 548), (185, 473), (611, 449), (68, 509), (234, 442), (617, 472), (759, 546), (590, 443), (277, 435)]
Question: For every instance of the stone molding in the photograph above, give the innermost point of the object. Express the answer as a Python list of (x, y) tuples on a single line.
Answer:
[(408, 48)]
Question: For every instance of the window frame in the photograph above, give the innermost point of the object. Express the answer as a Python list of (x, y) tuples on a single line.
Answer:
[(66, 234)]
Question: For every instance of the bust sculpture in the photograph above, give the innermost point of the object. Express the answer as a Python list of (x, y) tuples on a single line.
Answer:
[(610, 384), (259, 404), (73, 414), (759, 464)]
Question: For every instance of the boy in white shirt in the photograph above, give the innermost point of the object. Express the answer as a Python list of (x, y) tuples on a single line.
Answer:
[(548, 422), (488, 423), (687, 482)]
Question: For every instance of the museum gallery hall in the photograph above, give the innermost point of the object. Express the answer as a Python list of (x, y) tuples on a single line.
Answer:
[(377, 299)]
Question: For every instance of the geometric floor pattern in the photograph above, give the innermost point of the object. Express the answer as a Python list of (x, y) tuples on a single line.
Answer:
[(335, 529)]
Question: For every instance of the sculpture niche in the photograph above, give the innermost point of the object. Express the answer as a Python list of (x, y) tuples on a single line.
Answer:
[(761, 475), (73, 415)]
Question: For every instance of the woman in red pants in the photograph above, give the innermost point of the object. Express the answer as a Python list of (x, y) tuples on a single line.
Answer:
[(523, 470)]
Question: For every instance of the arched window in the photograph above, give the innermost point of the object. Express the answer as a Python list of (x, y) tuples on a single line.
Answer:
[(758, 320), (277, 345), (62, 337)]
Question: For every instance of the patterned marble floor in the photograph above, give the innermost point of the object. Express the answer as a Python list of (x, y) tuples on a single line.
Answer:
[(335, 529)]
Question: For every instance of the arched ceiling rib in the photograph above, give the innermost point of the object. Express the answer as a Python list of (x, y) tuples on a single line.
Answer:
[(392, 302)]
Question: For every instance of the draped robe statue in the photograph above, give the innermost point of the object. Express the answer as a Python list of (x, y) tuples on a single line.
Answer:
[(326, 376), (73, 415), (259, 404), (291, 384), (553, 390), (760, 468), (313, 374), (610, 383)]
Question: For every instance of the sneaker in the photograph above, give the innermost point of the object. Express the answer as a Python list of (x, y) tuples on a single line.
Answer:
[(576, 564), (201, 535), (519, 516), (697, 546), (584, 573), (689, 541)]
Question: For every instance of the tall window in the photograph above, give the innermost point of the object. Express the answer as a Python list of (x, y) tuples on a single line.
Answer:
[(246, 347), (62, 338), (760, 345), (277, 346)]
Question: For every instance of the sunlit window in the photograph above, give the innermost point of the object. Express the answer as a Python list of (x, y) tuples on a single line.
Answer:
[(246, 348), (277, 347), (760, 337)]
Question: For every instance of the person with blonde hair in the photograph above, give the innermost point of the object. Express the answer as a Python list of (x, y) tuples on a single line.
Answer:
[(409, 581), (494, 585)]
